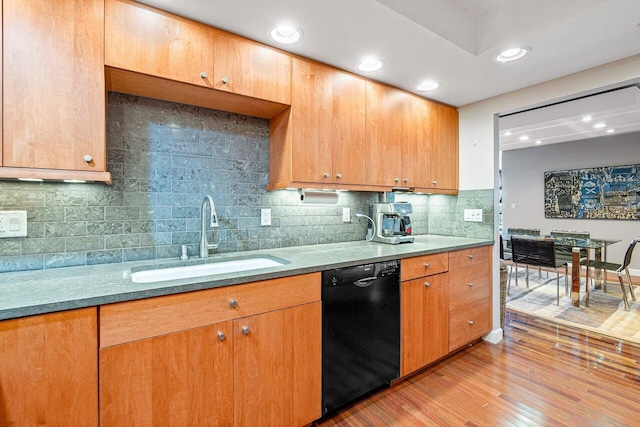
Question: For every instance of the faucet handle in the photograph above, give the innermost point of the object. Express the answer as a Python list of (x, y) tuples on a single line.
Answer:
[(214, 245)]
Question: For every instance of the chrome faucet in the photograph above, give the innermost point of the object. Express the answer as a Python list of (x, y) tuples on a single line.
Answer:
[(205, 246)]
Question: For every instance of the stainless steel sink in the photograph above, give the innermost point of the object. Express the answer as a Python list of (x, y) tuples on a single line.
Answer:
[(232, 265)]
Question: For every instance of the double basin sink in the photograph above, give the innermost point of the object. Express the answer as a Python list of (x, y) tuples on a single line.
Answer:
[(212, 268)]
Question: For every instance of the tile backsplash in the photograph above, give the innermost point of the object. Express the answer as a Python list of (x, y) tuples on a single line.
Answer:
[(164, 158)]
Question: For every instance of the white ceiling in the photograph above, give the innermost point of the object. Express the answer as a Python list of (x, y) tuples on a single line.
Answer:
[(452, 41), (618, 110)]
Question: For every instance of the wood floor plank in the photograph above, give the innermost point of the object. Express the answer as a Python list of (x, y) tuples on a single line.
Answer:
[(541, 374)]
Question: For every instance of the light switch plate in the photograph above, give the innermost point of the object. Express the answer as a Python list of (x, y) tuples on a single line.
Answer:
[(346, 214), (265, 216), (473, 215), (13, 224)]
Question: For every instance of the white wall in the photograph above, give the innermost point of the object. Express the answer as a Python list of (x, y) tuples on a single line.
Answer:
[(523, 185), (478, 129)]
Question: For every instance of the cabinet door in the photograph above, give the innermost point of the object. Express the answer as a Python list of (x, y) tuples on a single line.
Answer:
[(348, 128), (146, 40), (444, 148), (425, 315), (184, 378), (248, 68), (311, 121), (277, 367), (49, 369), (416, 143), (53, 81), (328, 120), (385, 110)]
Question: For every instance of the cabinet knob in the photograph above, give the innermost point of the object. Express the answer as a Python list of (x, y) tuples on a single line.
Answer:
[(471, 285), (327, 174), (435, 182), (427, 284), (233, 303), (472, 256), (406, 180), (471, 322), (246, 330), (339, 176), (397, 179), (203, 74), (427, 265), (224, 80), (221, 336), (88, 158)]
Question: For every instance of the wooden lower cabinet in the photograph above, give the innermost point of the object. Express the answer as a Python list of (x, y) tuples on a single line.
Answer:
[(184, 378), (49, 369), (425, 321), (445, 304), (277, 367), (469, 323), (263, 370)]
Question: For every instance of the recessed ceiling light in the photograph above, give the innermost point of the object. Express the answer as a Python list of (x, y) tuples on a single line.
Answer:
[(538, 142), (512, 54), (370, 64), (599, 125), (524, 138), (611, 130), (427, 86), (508, 133), (586, 119), (286, 34)]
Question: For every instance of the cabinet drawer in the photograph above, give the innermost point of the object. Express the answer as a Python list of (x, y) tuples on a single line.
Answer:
[(468, 284), (468, 323), (467, 257), (135, 320), (420, 266)]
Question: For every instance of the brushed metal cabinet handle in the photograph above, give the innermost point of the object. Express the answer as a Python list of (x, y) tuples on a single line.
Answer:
[(233, 303), (203, 74), (221, 336), (472, 256), (427, 284), (246, 330), (224, 80), (471, 322), (471, 285), (427, 265)]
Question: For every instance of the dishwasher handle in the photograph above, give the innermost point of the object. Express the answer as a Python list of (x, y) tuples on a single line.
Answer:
[(364, 282)]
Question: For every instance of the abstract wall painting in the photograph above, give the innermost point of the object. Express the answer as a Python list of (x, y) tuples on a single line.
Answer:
[(610, 192)]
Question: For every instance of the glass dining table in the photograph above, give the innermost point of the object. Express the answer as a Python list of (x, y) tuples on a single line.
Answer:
[(599, 247)]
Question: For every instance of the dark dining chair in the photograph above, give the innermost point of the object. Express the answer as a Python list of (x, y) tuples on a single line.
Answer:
[(520, 231), (539, 253), (619, 269)]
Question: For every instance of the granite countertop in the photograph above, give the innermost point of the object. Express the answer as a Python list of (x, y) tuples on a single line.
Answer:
[(44, 291)]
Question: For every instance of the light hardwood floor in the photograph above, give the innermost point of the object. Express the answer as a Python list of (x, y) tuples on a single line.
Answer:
[(540, 374)]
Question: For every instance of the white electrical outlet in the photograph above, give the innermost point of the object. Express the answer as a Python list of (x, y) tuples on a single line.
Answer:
[(346, 214), (473, 215), (13, 224), (265, 216)]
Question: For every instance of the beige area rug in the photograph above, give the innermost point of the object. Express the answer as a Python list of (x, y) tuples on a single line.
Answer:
[(605, 315)]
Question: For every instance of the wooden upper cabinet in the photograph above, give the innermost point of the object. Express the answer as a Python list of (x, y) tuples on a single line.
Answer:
[(385, 110), (328, 125), (416, 143), (49, 369), (53, 80), (146, 40), (444, 147), (248, 68)]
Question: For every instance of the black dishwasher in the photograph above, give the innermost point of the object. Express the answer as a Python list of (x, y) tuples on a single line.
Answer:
[(360, 331)]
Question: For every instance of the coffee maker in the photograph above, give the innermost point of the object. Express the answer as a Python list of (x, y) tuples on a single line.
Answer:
[(392, 223)]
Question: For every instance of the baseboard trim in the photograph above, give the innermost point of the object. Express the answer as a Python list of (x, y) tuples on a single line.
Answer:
[(494, 337)]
